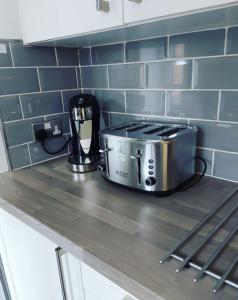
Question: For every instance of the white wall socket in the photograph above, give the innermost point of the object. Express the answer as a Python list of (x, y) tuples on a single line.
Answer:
[(3, 48)]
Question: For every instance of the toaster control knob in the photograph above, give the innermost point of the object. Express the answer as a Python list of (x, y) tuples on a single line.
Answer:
[(150, 181)]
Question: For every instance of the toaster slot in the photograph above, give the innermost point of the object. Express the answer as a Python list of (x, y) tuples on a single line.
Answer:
[(124, 127), (136, 128), (171, 131), (155, 130)]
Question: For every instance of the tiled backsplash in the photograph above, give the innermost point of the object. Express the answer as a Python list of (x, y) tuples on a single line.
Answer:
[(36, 84), (187, 78)]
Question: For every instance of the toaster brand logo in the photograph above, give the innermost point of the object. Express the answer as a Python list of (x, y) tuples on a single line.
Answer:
[(122, 174), (121, 155)]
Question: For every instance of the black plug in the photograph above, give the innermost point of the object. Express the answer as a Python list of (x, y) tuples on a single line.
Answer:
[(41, 135)]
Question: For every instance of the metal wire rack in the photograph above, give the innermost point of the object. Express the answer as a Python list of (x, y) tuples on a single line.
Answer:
[(206, 267)]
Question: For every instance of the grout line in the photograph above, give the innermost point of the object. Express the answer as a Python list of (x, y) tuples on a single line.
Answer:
[(53, 67), (78, 55), (62, 99), (179, 118), (124, 49), (56, 57), (165, 102), (10, 47), (81, 78), (225, 43), (43, 92), (172, 34), (192, 81), (29, 153), (164, 60), (125, 100), (213, 159), (167, 46), (218, 105), (33, 118), (22, 112), (145, 75), (76, 73), (42, 161), (108, 81), (38, 75), (91, 57)]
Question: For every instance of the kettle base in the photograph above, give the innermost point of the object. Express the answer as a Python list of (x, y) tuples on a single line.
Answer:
[(83, 164), (83, 168)]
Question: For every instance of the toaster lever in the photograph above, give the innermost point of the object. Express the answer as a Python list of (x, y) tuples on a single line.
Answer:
[(105, 152), (137, 157)]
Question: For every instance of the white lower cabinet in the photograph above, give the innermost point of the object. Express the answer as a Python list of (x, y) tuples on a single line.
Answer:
[(29, 260), (37, 269), (98, 287)]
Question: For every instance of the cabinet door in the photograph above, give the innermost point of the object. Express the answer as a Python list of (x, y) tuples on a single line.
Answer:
[(98, 287), (138, 10), (32, 261), (44, 20)]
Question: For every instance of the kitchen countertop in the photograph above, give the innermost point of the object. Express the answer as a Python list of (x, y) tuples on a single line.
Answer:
[(120, 233)]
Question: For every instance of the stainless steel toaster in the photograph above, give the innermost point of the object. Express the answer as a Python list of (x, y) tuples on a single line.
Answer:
[(148, 156)]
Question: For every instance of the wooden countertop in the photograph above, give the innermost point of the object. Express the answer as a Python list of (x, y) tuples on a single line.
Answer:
[(119, 232)]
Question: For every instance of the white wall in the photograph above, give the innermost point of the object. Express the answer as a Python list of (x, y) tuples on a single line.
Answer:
[(9, 20)]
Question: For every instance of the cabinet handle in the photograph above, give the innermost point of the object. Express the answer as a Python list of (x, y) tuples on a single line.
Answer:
[(136, 1), (102, 5), (60, 269)]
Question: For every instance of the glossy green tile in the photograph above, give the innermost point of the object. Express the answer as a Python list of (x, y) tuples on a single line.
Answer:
[(111, 100), (192, 104), (108, 54), (145, 102), (84, 56), (34, 105), (217, 135), (67, 56), (20, 132), (232, 41), (38, 154), (5, 58), (10, 108), (216, 73), (57, 78), (19, 156), (126, 76), (176, 74), (21, 80), (32, 56), (67, 95), (144, 50), (203, 43), (121, 118), (226, 165), (165, 119), (104, 119), (229, 106), (94, 77)]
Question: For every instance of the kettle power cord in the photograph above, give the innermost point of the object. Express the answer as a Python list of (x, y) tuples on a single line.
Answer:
[(42, 136), (58, 151)]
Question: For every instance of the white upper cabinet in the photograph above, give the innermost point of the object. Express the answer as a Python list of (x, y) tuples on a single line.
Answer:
[(46, 20), (140, 10)]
